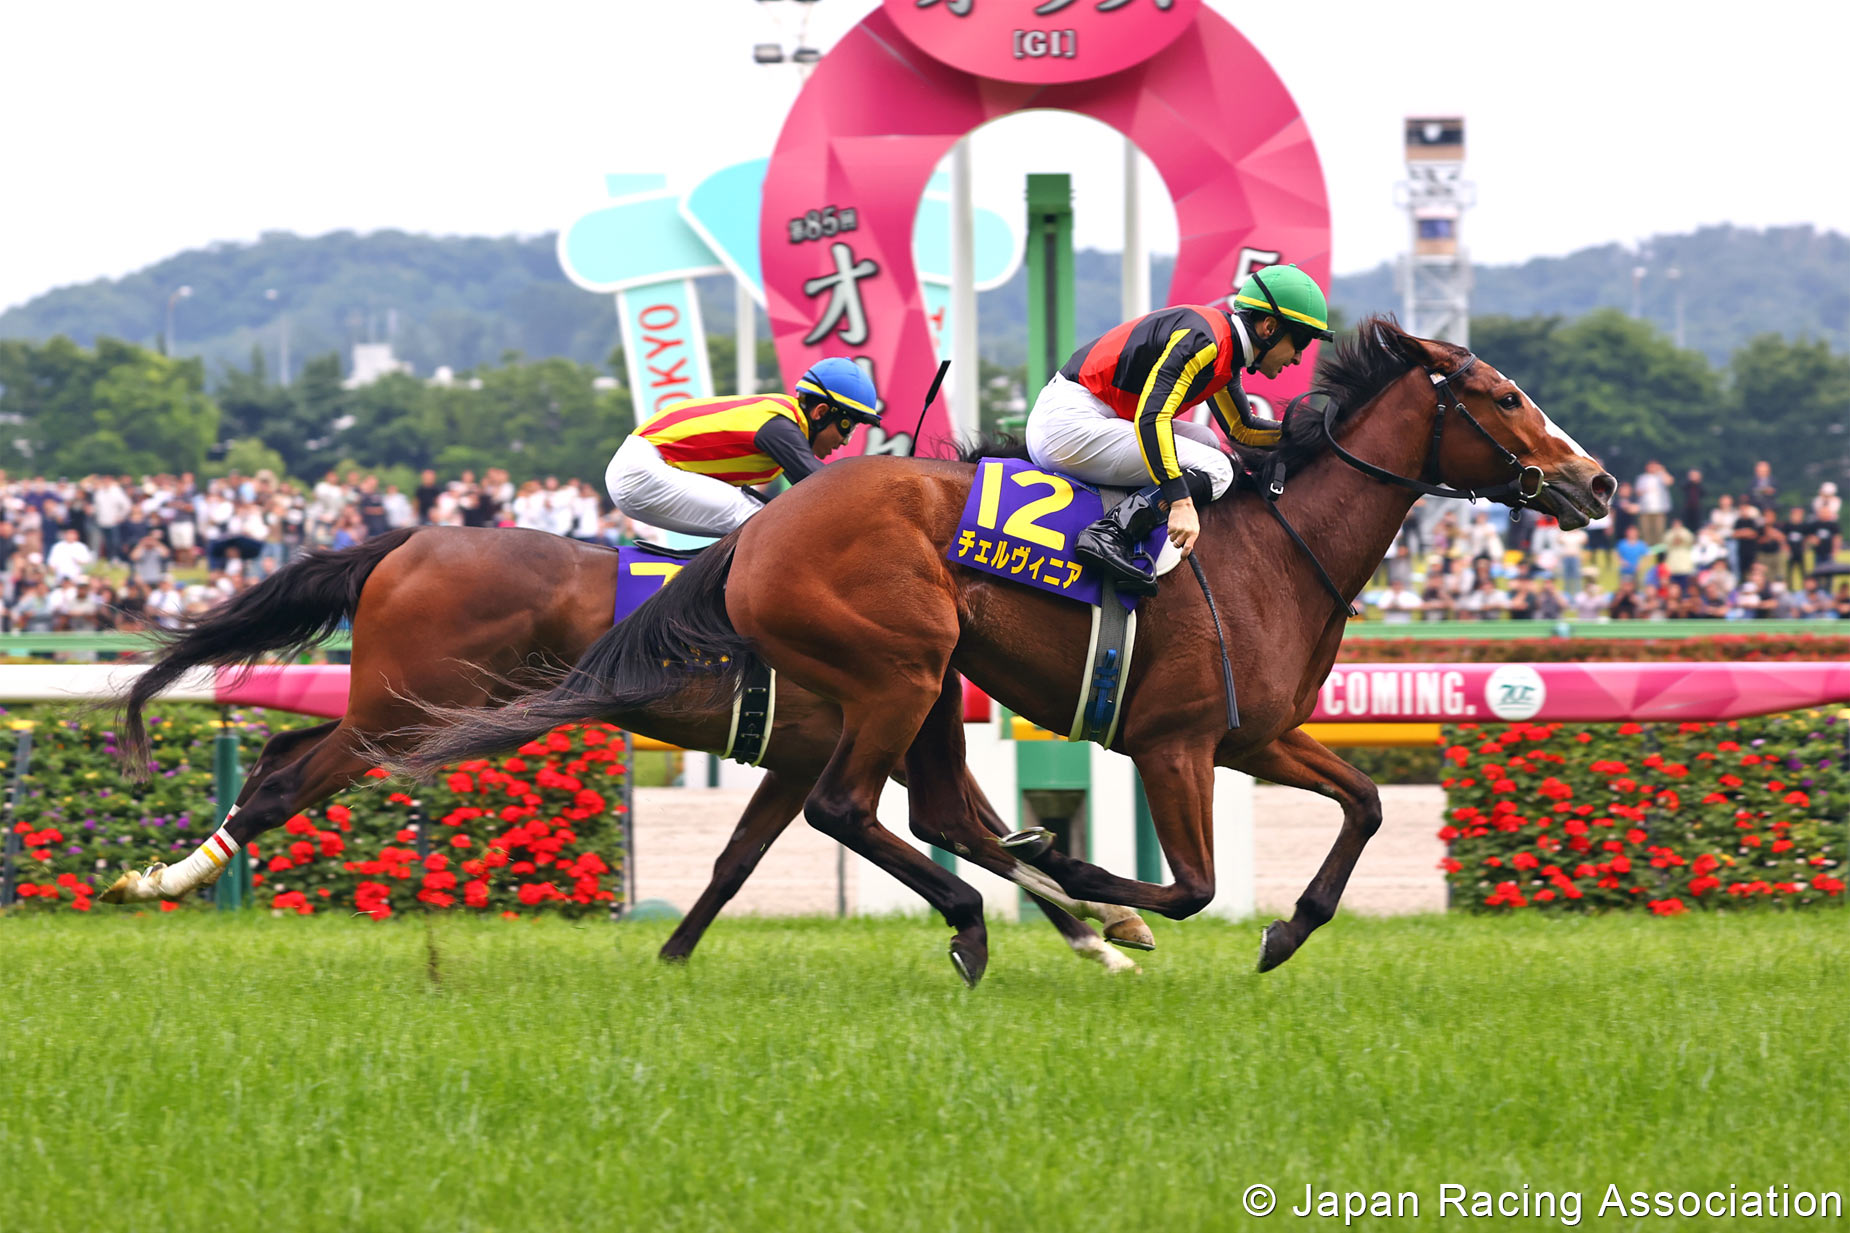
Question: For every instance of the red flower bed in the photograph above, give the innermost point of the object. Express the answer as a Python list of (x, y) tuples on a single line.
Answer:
[(534, 832), (540, 831), (1665, 817)]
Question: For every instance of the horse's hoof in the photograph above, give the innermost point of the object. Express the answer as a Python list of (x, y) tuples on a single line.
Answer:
[(1274, 946), (970, 961), (135, 887), (1030, 844), (672, 958), (1131, 934)]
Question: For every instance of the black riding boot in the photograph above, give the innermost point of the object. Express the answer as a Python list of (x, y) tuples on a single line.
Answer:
[(1111, 543)]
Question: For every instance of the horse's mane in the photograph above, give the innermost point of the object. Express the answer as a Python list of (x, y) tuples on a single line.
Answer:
[(1350, 372), (984, 445)]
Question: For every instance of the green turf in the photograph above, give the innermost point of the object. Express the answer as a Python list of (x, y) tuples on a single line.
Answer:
[(182, 1072)]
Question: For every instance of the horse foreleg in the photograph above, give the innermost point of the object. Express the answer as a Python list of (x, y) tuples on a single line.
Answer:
[(1297, 761), (773, 806), (1180, 785), (202, 866)]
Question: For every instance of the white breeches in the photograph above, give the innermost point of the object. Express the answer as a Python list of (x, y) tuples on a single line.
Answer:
[(645, 487), (1071, 430)]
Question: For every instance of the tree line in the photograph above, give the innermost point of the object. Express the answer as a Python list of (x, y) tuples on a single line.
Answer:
[(1618, 384)]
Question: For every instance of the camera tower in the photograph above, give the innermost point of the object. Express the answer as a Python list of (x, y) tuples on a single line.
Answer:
[(1435, 275)]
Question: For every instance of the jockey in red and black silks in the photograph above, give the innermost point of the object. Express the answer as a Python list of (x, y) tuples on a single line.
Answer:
[(1109, 416)]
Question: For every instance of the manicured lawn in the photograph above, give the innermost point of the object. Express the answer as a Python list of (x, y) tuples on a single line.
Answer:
[(197, 1072)]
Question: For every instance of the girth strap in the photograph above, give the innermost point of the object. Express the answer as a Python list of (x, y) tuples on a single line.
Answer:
[(754, 712)]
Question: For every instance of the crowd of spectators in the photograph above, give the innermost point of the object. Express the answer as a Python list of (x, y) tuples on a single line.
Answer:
[(1665, 551), (115, 552)]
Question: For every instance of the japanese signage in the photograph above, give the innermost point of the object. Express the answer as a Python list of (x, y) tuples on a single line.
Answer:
[(1021, 523), (1042, 40), (641, 249), (1202, 104)]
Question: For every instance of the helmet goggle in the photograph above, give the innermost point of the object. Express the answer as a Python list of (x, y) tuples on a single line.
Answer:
[(847, 420)]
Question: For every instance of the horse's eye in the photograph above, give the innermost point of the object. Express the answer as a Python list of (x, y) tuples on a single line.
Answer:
[(1509, 402)]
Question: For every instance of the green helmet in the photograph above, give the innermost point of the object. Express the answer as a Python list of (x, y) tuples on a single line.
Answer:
[(1289, 293)]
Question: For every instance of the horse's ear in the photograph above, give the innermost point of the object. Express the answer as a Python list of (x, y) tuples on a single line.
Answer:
[(1397, 342)]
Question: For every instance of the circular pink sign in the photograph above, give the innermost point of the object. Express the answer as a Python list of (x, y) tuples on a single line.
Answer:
[(1042, 41)]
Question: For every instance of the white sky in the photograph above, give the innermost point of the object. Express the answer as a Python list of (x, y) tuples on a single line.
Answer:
[(135, 130)]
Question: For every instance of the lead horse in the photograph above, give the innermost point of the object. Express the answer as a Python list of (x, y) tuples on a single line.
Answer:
[(452, 616), (843, 585)]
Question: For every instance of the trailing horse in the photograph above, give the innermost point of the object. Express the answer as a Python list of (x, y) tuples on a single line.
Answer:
[(459, 617), (843, 585)]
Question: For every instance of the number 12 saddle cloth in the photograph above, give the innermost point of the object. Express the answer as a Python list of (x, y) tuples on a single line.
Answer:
[(1021, 523)]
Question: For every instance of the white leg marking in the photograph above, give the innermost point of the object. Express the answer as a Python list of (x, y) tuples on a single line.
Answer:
[(1030, 878), (1095, 949)]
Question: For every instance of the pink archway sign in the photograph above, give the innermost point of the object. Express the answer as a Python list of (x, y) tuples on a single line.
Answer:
[(879, 113)]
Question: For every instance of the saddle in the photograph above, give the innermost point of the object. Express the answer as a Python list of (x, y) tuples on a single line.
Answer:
[(642, 570), (1021, 523)]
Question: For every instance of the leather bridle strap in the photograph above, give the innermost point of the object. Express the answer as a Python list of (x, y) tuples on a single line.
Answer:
[(1525, 486)]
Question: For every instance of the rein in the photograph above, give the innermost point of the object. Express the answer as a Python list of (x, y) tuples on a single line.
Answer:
[(1525, 486)]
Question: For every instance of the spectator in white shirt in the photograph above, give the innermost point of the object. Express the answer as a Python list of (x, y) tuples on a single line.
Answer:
[(70, 557), (1398, 605), (111, 508), (166, 604), (587, 511), (398, 510)]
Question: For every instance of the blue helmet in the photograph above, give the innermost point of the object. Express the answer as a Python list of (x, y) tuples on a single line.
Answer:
[(842, 384)]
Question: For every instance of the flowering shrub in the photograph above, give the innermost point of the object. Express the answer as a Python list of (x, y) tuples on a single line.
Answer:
[(1730, 648), (1665, 817), (540, 831)]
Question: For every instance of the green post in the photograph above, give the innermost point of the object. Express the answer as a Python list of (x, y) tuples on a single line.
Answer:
[(233, 889), (1050, 278), (1149, 851)]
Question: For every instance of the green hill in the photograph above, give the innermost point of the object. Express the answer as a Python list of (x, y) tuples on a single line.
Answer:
[(468, 301)]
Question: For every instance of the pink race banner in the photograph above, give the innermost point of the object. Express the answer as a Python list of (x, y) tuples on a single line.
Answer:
[(1580, 693), (1372, 693), (905, 85)]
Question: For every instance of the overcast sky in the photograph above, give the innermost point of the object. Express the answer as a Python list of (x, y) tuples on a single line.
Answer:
[(136, 130)]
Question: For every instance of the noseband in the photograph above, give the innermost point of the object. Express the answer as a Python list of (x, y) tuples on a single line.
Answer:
[(1524, 486)]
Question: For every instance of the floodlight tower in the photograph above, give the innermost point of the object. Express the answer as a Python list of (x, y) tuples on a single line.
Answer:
[(1435, 276)]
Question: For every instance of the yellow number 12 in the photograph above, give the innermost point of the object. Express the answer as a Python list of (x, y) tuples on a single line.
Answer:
[(1024, 523)]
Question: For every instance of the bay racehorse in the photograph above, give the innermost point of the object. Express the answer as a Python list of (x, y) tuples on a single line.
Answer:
[(452, 616), (843, 585)]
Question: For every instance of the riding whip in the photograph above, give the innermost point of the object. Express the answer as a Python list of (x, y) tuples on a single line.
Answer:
[(1226, 669), (931, 396)]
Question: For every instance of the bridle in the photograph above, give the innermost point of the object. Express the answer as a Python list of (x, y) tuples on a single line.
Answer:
[(1524, 486)]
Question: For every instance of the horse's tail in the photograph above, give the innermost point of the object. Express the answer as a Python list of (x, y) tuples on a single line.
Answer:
[(679, 637), (291, 610)]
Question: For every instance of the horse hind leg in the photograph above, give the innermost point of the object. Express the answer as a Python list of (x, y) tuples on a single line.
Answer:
[(876, 732), (1298, 761), (201, 868), (948, 809), (773, 807)]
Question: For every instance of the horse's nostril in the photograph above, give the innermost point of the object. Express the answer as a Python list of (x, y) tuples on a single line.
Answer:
[(1604, 486)]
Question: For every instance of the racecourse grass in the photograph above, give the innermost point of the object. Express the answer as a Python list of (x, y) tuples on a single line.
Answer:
[(194, 1072)]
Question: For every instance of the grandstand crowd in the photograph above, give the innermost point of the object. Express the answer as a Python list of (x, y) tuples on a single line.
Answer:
[(115, 552)]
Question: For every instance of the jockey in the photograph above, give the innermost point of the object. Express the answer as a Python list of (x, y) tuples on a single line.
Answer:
[(687, 468), (1109, 415)]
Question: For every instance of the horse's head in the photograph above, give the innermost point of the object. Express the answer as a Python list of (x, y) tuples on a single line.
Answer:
[(1516, 442)]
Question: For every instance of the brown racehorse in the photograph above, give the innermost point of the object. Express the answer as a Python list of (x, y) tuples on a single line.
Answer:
[(844, 586), (449, 615)]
